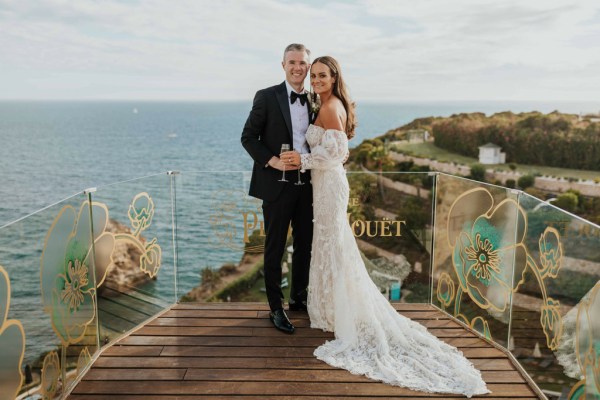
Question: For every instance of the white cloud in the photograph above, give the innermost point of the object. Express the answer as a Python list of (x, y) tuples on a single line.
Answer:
[(389, 49)]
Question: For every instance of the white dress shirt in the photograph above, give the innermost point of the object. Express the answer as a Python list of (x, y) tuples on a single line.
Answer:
[(299, 114)]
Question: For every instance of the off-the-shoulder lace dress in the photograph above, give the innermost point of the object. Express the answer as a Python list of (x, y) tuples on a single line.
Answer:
[(371, 338)]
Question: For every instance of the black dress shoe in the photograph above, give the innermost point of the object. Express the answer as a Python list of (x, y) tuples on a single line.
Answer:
[(297, 305), (281, 321)]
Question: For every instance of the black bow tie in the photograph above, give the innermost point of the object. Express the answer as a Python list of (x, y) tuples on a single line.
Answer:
[(303, 97)]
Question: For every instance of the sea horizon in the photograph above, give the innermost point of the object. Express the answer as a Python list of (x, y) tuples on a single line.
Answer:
[(29, 128)]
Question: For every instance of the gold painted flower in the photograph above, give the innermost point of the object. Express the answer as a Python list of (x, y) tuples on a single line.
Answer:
[(550, 252), (485, 259), (141, 211), (551, 323), (76, 279), (12, 344), (150, 260), (50, 375), (488, 243), (481, 325), (445, 290), (83, 361), (67, 284)]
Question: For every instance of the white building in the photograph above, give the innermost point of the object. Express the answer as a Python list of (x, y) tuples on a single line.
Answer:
[(490, 154), (418, 136)]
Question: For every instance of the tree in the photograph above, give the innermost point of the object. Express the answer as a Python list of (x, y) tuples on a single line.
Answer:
[(477, 172), (416, 213), (526, 181), (568, 201)]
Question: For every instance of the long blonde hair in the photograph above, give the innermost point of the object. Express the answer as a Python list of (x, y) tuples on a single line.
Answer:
[(340, 91)]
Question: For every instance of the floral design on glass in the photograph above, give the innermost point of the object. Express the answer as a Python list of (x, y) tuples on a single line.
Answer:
[(50, 375), (67, 281), (141, 212), (491, 260), (12, 343)]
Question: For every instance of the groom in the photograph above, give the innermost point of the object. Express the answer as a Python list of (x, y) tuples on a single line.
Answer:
[(280, 115)]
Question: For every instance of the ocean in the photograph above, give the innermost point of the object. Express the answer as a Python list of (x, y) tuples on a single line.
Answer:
[(52, 150)]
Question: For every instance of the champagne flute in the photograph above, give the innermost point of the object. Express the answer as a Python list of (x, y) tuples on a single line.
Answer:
[(299, 183), (284, 147)]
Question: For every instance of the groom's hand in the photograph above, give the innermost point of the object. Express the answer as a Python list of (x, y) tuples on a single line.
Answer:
[(277, 163)]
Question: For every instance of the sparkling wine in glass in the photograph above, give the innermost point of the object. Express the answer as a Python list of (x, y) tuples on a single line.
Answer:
[(299, 183), (284, 147)]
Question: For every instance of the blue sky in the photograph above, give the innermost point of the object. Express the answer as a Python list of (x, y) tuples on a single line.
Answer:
[(401, 50)]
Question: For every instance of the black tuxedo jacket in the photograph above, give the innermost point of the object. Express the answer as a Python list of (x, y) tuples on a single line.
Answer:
[(268, 126)]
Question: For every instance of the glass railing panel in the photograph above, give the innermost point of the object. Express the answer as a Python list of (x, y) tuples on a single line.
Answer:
[(475, 249), (220, 235), (48, 320), (220, 239), (137, 278), (391, 217), (555, 330)]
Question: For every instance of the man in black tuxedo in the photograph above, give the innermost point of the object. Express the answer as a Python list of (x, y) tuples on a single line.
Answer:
[(280, 115)]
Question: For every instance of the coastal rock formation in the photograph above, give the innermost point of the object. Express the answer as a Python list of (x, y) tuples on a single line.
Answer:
[(124, 273), (215, 280)]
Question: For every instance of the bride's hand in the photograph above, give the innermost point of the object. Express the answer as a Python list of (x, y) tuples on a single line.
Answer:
[(290, 158)]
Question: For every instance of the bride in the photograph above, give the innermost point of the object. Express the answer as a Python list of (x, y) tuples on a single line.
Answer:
[(371, 338)]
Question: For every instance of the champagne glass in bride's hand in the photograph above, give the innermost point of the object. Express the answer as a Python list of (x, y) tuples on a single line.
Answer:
[(284, 147)]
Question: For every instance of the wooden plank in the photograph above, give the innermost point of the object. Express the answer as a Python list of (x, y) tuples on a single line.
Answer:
[(415, 315), (126, 351), (266, 323), (274, 397), (449, 333), (116, 323), (413, 306), (175, 313), (264, 306), (305, 332), (490, 352), (134, 292), (250, 306), (273, 388), (230, 351), (279, 341), (125, 305), (467, 342), (485, 364), (336, 375), (273, 341), (196, 331), (205, 351), (126, 374), (242, 322)]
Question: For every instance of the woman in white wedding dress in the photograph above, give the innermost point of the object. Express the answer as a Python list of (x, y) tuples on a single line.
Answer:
[(371, 338)]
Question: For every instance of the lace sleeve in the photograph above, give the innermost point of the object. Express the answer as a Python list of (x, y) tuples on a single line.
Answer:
[(329, 153)]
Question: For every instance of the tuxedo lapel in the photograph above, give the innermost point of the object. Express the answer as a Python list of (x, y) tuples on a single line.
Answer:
[(284, 105)]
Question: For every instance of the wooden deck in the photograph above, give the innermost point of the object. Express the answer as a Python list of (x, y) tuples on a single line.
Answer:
[(231, 351)]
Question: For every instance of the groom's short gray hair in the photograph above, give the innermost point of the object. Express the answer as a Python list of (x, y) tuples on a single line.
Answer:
[(296, 47)]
